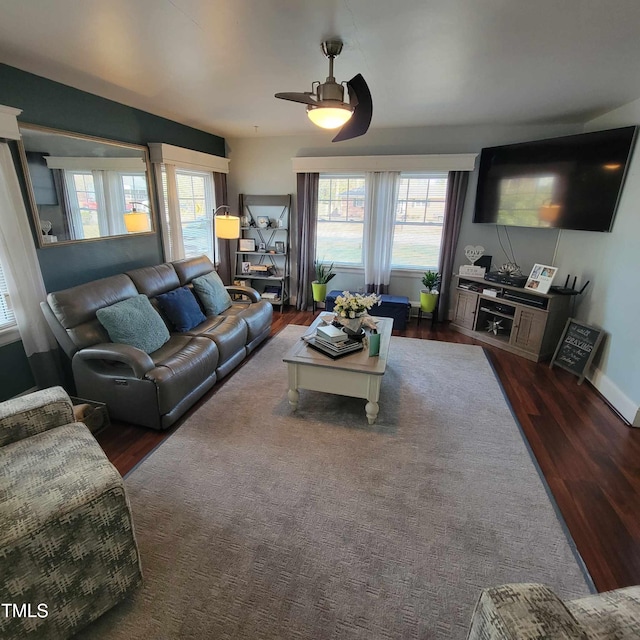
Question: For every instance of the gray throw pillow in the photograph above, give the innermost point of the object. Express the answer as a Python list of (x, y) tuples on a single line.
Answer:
[(134, 322), (212, 293)]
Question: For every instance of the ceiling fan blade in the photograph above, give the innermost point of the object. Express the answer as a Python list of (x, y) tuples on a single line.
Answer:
[(359, 122), (305, 98)]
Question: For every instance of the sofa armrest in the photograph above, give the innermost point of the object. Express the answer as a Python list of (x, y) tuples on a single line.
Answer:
[(250, 292), (34, 413), (523, 612), (612, 614), (138, 360)]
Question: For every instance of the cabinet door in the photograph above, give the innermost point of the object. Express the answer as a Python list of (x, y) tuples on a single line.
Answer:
[(465, 309), (528, 329)]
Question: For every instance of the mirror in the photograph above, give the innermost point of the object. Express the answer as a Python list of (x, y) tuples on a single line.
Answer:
[(83, 188)]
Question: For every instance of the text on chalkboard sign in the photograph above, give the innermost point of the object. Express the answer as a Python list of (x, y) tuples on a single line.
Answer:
[(577, 348)]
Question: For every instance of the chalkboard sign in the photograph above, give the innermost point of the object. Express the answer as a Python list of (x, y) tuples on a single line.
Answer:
[(577, 347)]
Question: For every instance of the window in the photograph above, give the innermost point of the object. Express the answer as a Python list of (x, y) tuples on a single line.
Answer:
[(7, 319), (340, 225), (98, 199), (419, 216), (196, 202), (84, 206), (417, 234), (134, 186)]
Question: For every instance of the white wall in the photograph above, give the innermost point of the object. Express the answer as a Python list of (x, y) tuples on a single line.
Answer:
[(262, 165), (611, 261)]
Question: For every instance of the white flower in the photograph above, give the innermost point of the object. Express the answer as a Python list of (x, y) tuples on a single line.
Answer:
[(353, 304)]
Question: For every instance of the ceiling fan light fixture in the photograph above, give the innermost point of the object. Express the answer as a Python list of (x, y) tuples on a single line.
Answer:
[(329, 117), (326, 105)]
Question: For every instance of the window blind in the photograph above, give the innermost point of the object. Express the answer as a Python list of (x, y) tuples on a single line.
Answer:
[(7, 318), (195, 200), (340, 224)]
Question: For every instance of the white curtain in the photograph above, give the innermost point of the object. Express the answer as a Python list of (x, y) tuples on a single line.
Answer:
[(73, 206), (114, 202), (381, 193), (24, 279), (101, 203), (172, 241)]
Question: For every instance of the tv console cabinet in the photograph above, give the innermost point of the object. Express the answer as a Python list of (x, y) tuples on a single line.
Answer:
[(518, 320)]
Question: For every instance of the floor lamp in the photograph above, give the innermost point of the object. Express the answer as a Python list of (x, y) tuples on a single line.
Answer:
[(137, 221), (226, 227)]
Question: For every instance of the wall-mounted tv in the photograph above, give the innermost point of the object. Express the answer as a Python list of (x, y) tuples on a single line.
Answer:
[(572, 182)]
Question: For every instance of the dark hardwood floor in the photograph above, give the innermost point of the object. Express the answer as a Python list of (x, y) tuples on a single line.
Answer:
[(589, 456)]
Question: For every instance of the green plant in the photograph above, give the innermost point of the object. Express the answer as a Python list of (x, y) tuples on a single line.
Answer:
[(431, 281), (324, 273)]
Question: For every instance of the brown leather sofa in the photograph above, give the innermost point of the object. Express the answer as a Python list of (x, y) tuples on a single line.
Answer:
[(154, 389)]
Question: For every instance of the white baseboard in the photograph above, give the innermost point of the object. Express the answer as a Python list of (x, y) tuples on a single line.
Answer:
[(626, 407)]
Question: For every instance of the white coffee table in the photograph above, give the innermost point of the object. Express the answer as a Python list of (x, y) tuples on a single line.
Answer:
[(356, 375)]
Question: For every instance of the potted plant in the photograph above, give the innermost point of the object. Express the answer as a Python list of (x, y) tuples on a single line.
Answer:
[(324, 274), (429, 295)]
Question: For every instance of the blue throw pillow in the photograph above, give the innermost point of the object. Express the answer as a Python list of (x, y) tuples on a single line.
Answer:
[(181, 308), (134, 322), (212, 293)]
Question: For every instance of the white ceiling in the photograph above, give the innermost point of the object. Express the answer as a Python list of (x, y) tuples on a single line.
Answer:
[(215, 64)]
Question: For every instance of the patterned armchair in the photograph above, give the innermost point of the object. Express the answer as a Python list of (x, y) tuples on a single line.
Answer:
[(67, 546), (534, 612)]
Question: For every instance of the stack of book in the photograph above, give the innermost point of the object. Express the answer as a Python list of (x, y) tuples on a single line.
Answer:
[(263, 269), (332, 341), (272, 293), (331, 333)]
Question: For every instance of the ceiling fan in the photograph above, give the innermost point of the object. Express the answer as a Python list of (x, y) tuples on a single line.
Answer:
[(325, 102)]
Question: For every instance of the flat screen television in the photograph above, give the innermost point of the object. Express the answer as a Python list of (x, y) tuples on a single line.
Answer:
[(571, 182)]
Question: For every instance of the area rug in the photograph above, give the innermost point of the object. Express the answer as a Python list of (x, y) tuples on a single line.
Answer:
[(255, 522)]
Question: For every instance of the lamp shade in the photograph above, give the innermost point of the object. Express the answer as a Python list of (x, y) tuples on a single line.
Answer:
[(137, 221), (549, 212), (329, 117), (227, 227)]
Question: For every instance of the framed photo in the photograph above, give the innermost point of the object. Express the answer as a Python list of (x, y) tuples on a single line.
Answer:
[(262, 247), (279, 246), (246, 267), (540, 278), (246, 244), (263, 222)]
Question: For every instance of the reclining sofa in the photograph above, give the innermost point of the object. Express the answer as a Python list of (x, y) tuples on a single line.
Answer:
[(153, 389)]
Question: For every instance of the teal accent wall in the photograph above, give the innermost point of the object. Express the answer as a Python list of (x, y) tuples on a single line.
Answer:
[(15, 374), (56, 105), (52, 104), (59, 106)]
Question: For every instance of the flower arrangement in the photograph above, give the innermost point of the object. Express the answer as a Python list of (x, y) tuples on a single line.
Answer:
[(351, 305)]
